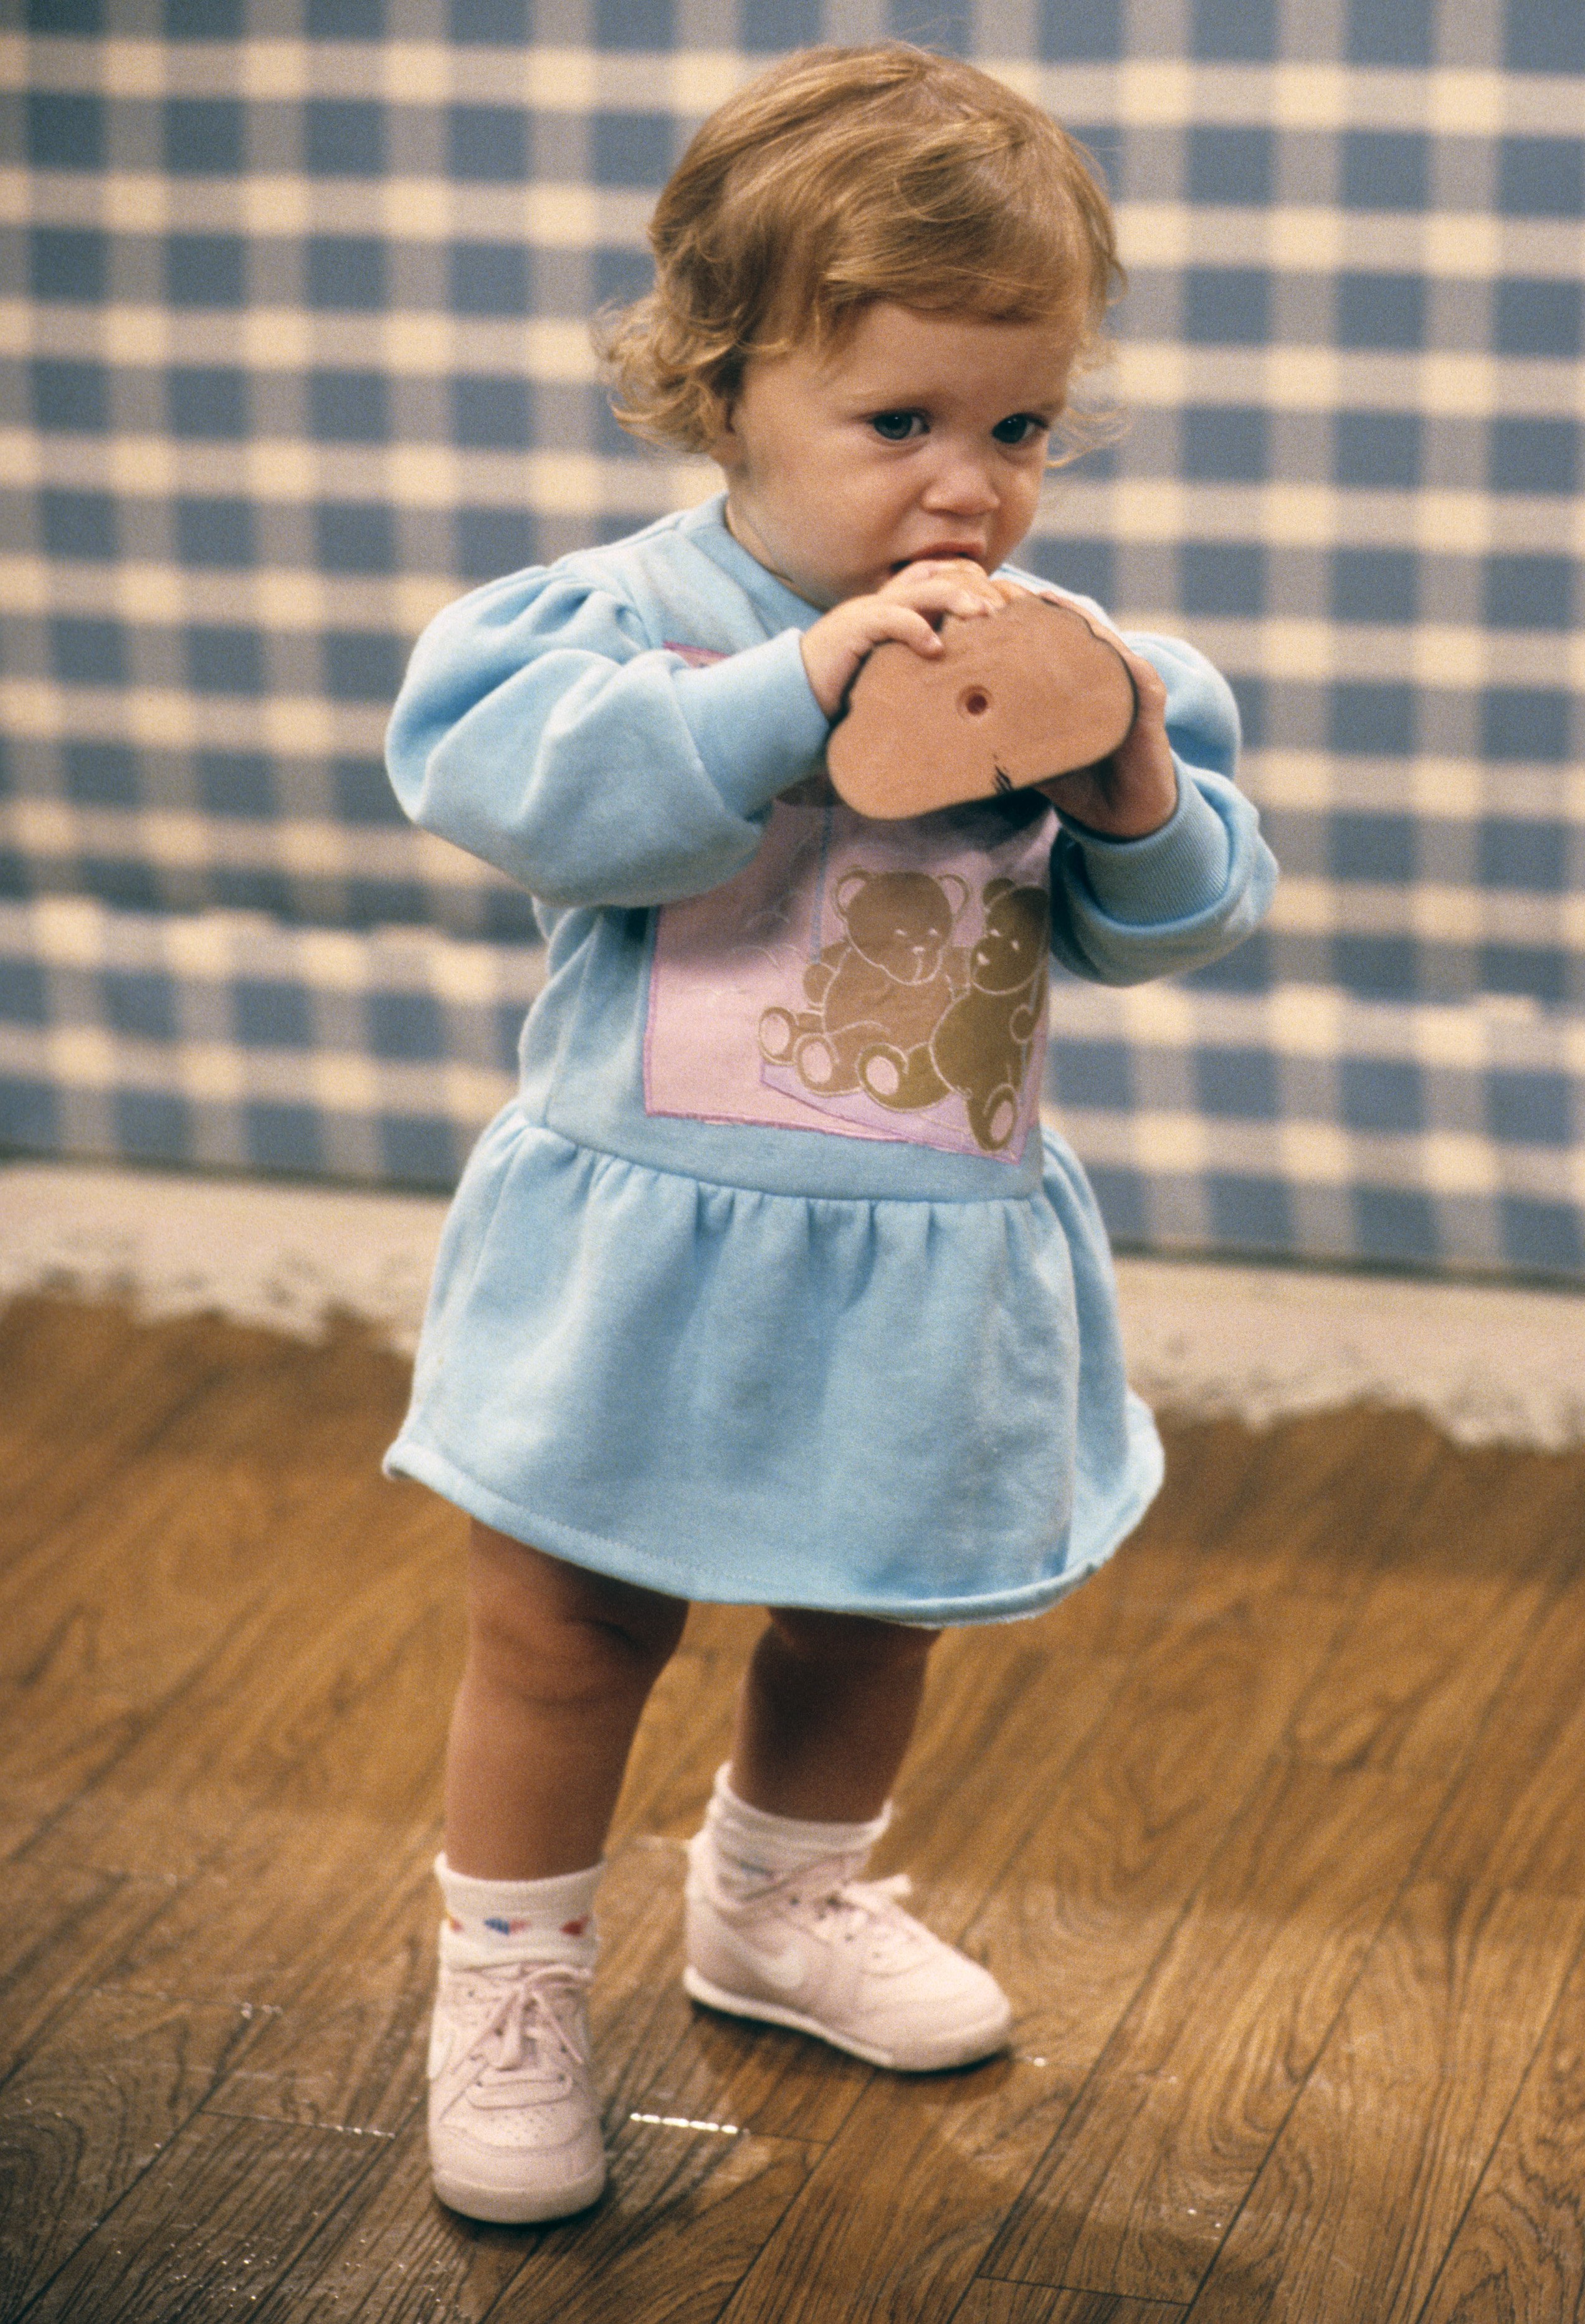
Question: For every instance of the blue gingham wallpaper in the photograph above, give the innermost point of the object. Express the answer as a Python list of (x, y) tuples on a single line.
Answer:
[(295, 348)]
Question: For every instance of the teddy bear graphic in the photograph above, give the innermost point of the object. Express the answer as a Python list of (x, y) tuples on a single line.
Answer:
[(981, 1043), (881, 989)]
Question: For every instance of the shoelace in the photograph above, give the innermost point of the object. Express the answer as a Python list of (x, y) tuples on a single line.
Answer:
[(521, 2038), (870, 1908)]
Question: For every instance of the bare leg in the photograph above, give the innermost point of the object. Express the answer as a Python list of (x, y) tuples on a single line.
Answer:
[(825, 1713), (559, 1666)]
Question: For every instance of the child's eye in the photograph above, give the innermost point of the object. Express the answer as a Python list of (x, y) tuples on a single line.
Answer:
[(1018, 427), (897, 427)]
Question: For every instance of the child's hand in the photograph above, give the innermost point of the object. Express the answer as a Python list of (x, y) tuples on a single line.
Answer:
[(1135, 791), (905, 608)]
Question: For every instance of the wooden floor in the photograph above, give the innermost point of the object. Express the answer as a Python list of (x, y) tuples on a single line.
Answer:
[(1276, 1833)]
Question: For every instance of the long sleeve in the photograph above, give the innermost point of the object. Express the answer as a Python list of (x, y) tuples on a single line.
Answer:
[(541, 729), (1125, 911)]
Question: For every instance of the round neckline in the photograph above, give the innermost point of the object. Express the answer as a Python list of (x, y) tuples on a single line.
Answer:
[(707, 524)]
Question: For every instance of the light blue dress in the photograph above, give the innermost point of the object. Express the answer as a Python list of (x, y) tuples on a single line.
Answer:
[(769, 1286)]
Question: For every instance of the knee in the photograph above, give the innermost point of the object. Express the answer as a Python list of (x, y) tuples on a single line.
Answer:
[(851, 1645), (549, 1630)]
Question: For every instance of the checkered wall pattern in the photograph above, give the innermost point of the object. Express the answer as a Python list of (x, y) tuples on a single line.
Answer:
[(295, 348)]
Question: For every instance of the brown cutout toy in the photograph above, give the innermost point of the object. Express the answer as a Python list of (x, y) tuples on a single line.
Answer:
[(1018, 696)]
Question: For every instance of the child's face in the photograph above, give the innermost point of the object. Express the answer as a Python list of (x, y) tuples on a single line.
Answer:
[(916, 436)]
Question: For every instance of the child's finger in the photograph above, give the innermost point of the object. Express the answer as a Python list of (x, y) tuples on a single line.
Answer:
[(905, 626), (945, 586), (945, 593)]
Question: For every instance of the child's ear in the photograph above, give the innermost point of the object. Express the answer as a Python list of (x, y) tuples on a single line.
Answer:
[(718, 400), (725, 447)]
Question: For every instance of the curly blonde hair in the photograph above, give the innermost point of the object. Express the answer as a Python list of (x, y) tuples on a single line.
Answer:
[(840, 177)]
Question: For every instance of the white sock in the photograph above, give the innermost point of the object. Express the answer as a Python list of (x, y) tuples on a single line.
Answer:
[(517, 1920), (749, 1848)]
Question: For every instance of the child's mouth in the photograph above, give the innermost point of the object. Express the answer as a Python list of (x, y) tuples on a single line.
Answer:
[(941, 552)]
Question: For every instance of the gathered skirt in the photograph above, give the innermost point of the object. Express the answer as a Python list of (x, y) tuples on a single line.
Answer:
[(908, 1408)]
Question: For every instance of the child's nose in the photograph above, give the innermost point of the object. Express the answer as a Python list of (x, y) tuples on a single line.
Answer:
[(961, 484)]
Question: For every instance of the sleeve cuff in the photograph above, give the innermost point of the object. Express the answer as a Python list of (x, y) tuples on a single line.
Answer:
[(755, 721), (1174, 873)]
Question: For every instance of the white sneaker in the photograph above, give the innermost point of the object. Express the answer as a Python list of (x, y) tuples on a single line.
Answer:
[(832, 1955), (514, 2128)]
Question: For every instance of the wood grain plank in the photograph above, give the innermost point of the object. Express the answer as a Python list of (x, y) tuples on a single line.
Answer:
[(207, 2227), (321, 1915), (82, 1388), (324, 1930), (1137, 2192), (1038, 2303), (278, 1841), (65, 1927), (1219, 1480), (1001, 1699), (912, 2193), (1491, 1506), (1178, 2115), (1409, 1683), (115, 1616), (1310, 1507), (197, 1519), (1517, 1818), (250, 1913), (225, 1893), (388, 2252), (1432, 1642), (687, 2216), (333, 1694), (1127, 1836), (1519, 2253), (52, 1752), (683, 2216), (897, 2214), (1362, 2191), (85, 2118)]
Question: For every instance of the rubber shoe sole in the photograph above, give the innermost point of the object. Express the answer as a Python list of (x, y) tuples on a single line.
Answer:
[(968, 2046), (508, 2208)]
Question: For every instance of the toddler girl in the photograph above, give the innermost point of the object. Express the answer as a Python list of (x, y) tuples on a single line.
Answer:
[(722, 1309)]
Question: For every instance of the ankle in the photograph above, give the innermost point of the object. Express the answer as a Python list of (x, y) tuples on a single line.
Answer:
[(497, 1921), (749, 1848)]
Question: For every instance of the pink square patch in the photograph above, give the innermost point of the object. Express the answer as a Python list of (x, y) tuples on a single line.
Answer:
[(874, 979)]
